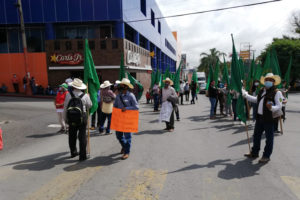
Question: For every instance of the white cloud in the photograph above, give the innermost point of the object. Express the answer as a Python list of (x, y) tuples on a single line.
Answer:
[(257, 25)]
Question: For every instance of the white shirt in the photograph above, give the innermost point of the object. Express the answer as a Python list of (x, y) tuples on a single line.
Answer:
[(278, 102)]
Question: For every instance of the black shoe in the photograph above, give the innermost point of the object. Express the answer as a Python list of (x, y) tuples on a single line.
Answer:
[(250, 155), (83, 158), (178, 119), (74, 154)]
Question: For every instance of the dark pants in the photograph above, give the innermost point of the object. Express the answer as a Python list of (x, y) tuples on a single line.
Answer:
[(187, 95), (102, 121), (177, 113), (16, 87), (260, 127), (125, 141), (276, 125), (98, 116), (215, 109), (193, 97), (181, 98), (170, 124), (80, 132), (156, 101), (234, 102), (283, 111), (254, 106)]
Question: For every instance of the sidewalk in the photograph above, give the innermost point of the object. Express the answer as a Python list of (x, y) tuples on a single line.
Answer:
[(27, 96)]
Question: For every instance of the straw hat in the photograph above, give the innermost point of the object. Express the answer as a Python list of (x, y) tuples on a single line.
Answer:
[(276, 78), (105, 84), (168, 80), (126, 81), (78, 84), (117, 82)]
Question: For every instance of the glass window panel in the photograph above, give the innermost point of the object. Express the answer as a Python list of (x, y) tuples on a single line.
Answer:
[(13, 38), (3, 41)]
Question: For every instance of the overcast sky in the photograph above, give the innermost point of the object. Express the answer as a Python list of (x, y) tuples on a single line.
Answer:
[(255, 25)]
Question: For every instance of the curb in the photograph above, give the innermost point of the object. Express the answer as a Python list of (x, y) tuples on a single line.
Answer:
[(27, 96)]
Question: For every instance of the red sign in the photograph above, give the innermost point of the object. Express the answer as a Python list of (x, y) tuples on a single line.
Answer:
[(67, 59)]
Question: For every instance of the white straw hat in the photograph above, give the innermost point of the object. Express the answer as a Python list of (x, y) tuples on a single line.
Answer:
[(276, 78), (126, 81), (78, 84), (168, 80), (105, 84)]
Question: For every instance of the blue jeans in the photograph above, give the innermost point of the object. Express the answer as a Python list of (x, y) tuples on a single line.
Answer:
[(260, 127), (212, 107), (156, 101), (125, 141), (103, 117)]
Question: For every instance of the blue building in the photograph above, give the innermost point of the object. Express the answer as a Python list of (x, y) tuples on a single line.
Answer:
[(113, 27)]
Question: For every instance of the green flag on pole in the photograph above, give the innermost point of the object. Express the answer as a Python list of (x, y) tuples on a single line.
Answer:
[(153, 76), (250, 76), (135, 82), (91, 77), (225, 76), (210, 77), (275, 65), (236, 84), (122, 68), (287, 75), (177, 79), (216, 73), (195, 79)]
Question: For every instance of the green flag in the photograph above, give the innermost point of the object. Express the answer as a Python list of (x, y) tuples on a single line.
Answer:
[(91, 77), (135, 82), (225, 76), (122, 68), (242, 68), (275, 65), (216, 73), (195, 79), (153, 76), (236, 84), (250, 76), (287, 75), (210, 77), (177, 79), (267, 65)]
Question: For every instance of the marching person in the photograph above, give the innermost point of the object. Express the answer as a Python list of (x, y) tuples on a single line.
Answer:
[(156, 93), (75, 114), (107, 101), (193, 91), (213, 95), (59, 104), (125, 100), (181, 92), (97, 112), (187, 91), (269, 101), (15, 82), (169, 94)]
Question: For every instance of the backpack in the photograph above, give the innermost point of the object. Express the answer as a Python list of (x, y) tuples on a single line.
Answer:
[(75, 114)]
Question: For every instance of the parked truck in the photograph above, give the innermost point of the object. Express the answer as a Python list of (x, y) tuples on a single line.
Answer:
[(201, 81)]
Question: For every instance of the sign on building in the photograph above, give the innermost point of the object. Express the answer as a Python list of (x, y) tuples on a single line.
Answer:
[(67, 58)]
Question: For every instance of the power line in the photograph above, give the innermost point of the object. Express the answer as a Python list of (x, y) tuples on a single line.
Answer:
[(207, 11)]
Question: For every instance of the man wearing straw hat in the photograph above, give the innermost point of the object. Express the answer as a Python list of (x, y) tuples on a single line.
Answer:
[(125, 100), (107, 101), (80, 128), (269, 102), (169, 94)]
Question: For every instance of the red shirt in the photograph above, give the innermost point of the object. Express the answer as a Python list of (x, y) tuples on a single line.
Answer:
[(15, 80), (60, 99)]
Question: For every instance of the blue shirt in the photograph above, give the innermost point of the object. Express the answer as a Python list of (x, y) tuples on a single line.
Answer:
[(129, 100)]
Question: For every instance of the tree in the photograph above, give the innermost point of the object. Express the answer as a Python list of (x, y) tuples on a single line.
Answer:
[(295, 22), (208, 59)]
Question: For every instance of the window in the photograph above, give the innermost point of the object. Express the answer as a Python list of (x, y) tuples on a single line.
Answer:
[(152, 18), (92, 44), (56, 45), (68, 45), (103, 44), (3, 41), (159, 28), (80, 45), (105, 32), (14, 41), (114, 44), (143, 7)]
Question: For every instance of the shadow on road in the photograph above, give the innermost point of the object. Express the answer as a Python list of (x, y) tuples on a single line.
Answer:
[(95, 162), (236, 128), (151, 132), (240, 169), (43, 135), (245, 141), (198, 118), (41, 163)]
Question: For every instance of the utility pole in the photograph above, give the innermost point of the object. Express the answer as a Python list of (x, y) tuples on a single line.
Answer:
[(19, 6)]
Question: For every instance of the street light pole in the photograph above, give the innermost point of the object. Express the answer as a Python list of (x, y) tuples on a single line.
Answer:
[(19, 6)]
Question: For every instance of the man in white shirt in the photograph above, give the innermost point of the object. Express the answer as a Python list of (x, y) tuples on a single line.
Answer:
[(269, 100)]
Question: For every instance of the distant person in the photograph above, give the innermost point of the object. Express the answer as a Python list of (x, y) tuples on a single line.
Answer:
[(25, 81), (97, 113), (187, 91), (156, 93), (107, 100), (125, 100), (32, 85), (3, 88), (148, 96), (213, 95), (76, 106), (59, 104), (193, 91), (181, 91), (15, 82)]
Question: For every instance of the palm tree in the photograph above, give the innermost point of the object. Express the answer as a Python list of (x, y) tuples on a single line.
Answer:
[(208, 59)]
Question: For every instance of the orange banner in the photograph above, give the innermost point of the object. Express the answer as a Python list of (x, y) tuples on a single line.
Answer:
[(127, 121), (1, 141)]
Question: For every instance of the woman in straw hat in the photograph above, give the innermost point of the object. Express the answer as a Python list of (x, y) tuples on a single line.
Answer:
[(269, 101), (125, 100), (79, 130), (59, 104), (107, 100)]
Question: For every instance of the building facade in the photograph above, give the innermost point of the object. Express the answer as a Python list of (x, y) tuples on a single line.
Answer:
[(56, 29)]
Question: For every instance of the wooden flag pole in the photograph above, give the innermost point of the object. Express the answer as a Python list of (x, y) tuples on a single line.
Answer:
[(248, 109), (248, 137), (281, 127), (88, 123)]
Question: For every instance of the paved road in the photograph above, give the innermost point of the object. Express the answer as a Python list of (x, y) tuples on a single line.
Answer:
[(202, 159)]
